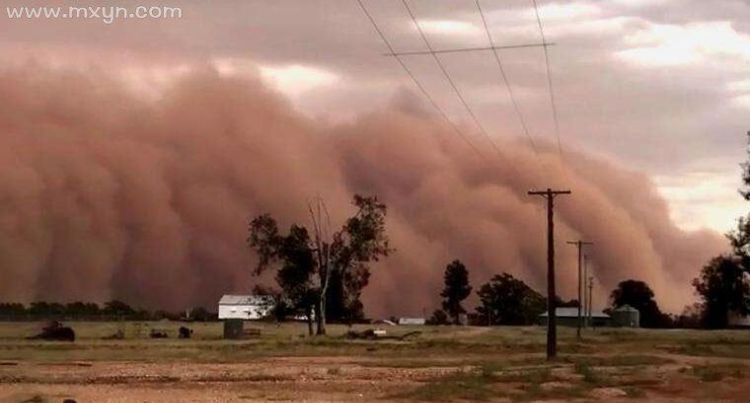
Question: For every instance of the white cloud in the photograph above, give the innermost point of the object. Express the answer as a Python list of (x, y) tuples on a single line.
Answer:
[(703, 199), (566, 11), (296, 79), (448, 27), (739, 86), (291, 79), (640, 3), (742, 101), (660, 45)]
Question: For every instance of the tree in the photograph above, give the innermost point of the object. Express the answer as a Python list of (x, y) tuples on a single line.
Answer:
[(343, 300), (505, 300), (294, 254), (117, 308), (691, 317), (346, 253), (723, 282), (81, 309), (457, 288), (724, 287), (438, 318), (201, 314), (640, 296)]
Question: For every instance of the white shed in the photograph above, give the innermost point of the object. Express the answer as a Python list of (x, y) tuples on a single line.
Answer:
[(248, 307)]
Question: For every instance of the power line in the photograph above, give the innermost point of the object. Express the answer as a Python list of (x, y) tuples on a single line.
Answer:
[(505, 79), (550, 88), (419, 85), (451, 82)]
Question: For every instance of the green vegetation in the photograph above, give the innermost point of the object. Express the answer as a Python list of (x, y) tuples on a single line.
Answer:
[(470, 385)]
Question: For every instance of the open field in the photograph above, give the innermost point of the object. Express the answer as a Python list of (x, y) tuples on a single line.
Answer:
[(437, 364)]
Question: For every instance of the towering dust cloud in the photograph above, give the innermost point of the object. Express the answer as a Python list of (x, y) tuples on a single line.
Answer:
[(104, 195)]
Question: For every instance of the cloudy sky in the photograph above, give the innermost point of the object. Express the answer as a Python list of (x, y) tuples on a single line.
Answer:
[(657, 85)]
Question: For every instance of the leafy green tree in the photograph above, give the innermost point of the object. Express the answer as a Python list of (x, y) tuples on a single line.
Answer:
[(294, 256), (201, 314), (12, 309), (457, 288), (346, 253), (639, 295), (505, 300), (439, 317), (81, 309), (724, 287), (118, 309)]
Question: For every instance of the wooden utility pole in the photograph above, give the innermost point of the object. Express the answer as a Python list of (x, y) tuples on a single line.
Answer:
[(585, 301), (581, 279), (550, 195), (591, 285)]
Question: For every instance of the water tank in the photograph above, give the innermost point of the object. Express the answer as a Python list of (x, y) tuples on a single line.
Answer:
[(626, 316)]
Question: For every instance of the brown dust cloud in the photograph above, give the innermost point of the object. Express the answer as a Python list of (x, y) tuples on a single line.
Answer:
[(107, 195)]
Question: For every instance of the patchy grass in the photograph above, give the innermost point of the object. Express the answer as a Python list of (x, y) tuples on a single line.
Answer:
[(718, 372), (634, 392), (469, 385), (619, 360), (589, 375)]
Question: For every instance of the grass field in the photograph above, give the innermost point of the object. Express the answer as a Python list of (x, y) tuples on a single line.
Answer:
[(433, 364)]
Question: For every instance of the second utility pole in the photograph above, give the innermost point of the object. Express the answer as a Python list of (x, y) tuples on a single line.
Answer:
[(580, 244), (550, 194)]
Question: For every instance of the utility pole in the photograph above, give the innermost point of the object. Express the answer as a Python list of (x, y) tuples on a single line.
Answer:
[(581, 279), (591, 285), (550, 195), (585, 301)]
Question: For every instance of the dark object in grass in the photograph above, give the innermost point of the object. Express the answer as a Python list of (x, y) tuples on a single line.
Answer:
[(410, 335), (55, 331), (158, 334), (185, 332), (69, 401), (367, 334), (118, 335)]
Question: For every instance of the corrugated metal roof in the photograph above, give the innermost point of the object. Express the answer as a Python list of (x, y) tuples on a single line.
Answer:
[(573, 313), (246, 300)]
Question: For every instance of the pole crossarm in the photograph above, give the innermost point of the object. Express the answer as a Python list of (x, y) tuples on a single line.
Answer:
[(548, 192), (476, 49)]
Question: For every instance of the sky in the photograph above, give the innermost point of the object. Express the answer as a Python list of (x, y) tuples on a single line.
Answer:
[(649, 96), (660, 85)]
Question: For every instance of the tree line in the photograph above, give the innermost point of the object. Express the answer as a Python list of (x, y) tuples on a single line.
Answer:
[(111, 310), (506, 300)]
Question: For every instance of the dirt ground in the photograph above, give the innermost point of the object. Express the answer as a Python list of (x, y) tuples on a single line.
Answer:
[(435, 364)]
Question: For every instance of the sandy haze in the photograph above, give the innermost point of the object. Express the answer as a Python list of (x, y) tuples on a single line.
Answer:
[(104, 195)]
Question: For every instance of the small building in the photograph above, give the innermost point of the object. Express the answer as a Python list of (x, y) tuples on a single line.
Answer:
[(245, 307), (412, 321), (738, 320), (626, 316), (569, 317)]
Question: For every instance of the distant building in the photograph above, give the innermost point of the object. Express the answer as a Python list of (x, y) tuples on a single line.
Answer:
[(246, 307), (735, 319), (626, 316), (412, 321), (569, 317)]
